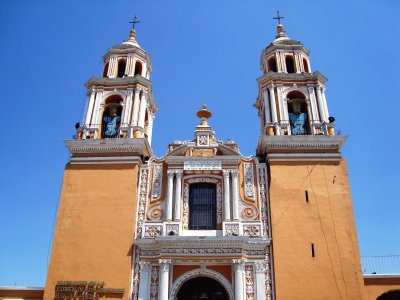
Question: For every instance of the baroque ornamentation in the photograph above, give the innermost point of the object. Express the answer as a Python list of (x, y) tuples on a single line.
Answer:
[(249, 278), (172, 229), (156, 187), (155, 213), (263, 199), (252, 230), (248, 180), (249, 213), (154, 282), (185, 218), (135, 274), (142, 201), (231, 229), (268, 278), (152, 231)]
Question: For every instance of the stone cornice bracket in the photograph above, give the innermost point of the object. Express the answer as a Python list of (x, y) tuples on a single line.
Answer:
[(165, 264), (226, 173), (238, 264), (260, 266)]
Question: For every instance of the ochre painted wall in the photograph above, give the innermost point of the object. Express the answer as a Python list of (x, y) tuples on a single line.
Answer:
[(94, 230), (375, 287), (326, 221)]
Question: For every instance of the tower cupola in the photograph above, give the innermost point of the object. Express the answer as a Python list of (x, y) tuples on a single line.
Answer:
[(120, 103)]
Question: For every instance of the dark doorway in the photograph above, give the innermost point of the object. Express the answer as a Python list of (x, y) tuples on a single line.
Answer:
[(202, 288)]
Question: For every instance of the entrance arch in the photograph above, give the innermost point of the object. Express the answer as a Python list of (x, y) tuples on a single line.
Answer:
[(218, 284)]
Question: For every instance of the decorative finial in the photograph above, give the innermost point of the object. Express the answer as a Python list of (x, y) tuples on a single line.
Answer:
[(204, 115), (134, 22), (278, 17)]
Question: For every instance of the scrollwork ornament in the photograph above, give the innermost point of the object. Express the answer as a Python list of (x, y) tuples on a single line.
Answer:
[(157, 182), (249, 213), (155, 213)]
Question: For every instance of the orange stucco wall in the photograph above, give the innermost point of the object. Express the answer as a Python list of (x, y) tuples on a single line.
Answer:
[(326, 221), (94, 230), (375, 287)]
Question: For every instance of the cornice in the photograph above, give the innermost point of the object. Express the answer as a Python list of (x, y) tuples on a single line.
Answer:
[(280, 76), (228, 159), (113, 82), (305, 148), (139, 146)]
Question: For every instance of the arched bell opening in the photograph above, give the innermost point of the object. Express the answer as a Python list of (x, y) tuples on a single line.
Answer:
[(298, 113), (305, 64), (111, 120), (289, 64), (200, 288), (105, 70), (146, 124), (272, 67), (121, 68), (138, 68)]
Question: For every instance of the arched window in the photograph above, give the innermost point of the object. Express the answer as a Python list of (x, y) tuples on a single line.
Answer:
[(272, 64), (121, 68), (289, 64), (111, 120), (105, 71), (298, 116), (305, 63), (138, 68), (202, 206)]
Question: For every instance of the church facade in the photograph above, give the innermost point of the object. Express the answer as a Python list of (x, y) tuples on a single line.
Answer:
[(205, 222)]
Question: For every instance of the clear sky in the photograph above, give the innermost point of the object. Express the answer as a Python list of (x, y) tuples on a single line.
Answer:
[(202, 52)]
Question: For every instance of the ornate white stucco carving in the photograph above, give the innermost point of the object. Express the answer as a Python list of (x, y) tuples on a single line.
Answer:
[(185, 218), (156, 187), (201, 273), (142, 201), (154, 282), (248, 180), (249, 278), (252, 230), (202, 165), (231, 229), (172, 229), (152, 231), (263, 200), (155, 213), (249, 213)]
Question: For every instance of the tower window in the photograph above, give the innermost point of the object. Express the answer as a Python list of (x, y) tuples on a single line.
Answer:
[(111, 120), (305, 63), (298, 116), (121, 68), (138, 68), (272, 64), (202, 206), (105, 71), (289, 64)]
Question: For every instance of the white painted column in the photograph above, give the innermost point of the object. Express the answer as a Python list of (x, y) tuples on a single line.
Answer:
[(178, 194), (324, 103), (90, 107), (96, 110), (235, 195), (321, 104), (267, 110), (227, 207), (135, 107), (163, 289), (142, 110), (260, 280), (170, 187), (127, 108), (144, 283), (150, 128), (273, 107), (239, 279)]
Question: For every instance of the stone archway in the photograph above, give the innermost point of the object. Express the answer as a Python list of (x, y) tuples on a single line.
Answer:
[(219, 285)]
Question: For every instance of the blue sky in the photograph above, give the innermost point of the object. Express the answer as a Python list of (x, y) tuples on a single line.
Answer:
[(202, 52)]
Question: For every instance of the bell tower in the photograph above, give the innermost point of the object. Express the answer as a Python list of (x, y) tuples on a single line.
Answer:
[(314, 242), (93, 245)]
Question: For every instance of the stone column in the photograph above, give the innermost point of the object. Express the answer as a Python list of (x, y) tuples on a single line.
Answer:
[(163, 289), (260, 292), (267, 108), (142, 110), (150, 128), (273, 108), (227, 206), (170, 187), (321, 104), (238, 265), (90, 107), (235, 195), (324, 103), (178, 194), (144, 283), (135, 107), (127, 109)]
